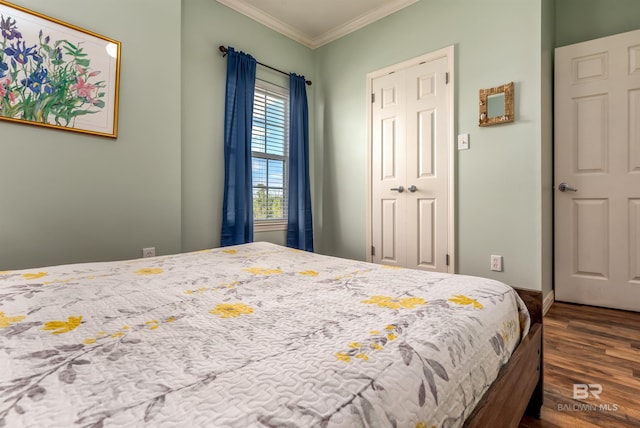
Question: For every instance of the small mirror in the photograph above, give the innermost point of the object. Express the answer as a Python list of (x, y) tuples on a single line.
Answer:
[(496, 105)]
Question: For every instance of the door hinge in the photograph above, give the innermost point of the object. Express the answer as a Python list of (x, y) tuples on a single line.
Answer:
[(446, 77), (373, 98), (446, 259), (373, 250)]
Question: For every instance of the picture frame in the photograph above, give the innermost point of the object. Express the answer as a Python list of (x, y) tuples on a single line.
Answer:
[(57, 75), (496, 105)]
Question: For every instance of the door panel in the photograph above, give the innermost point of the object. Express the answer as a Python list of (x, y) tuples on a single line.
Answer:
[(410, 151), (426, 235), (388, 157), (389, 228), (597, 117), (591, 238)]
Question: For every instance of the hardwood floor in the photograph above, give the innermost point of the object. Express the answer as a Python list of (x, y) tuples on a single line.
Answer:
[(595, 347)]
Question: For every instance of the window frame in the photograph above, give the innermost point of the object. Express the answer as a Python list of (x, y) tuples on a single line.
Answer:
[(267, 225)]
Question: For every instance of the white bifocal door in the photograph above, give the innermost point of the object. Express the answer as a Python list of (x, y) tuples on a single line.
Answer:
[(597, 172), (410, 155)]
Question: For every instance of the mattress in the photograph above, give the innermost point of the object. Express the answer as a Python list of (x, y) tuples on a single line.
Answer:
[(250, 335)]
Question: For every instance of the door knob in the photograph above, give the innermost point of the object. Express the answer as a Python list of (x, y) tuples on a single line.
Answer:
[(398, 189), (412, 188), (564, 187)]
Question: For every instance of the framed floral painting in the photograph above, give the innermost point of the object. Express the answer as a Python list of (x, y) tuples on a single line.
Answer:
[(57, 75)]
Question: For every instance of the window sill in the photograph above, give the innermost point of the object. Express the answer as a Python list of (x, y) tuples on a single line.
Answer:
[(269, 225)]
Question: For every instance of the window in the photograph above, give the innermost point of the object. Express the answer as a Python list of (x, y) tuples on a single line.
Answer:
[(270, 156)]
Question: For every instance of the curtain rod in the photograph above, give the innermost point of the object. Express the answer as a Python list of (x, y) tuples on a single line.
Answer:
[(224, 51)]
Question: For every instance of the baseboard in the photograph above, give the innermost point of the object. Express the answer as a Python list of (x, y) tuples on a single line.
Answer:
[(547, 302)]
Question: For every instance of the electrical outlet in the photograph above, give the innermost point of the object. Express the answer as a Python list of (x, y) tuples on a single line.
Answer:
[(149, 252), (496, 263)]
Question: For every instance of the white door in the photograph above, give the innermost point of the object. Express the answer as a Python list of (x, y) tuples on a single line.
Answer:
[(597, 157), (410, 169)]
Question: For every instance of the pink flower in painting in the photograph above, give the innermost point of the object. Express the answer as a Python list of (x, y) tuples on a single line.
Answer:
[(3, 90), (83, 89)]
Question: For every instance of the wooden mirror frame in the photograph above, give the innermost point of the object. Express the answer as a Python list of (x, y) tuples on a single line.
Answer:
[(507, 117)]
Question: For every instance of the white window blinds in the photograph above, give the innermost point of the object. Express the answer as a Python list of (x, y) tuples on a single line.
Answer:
[(269, 146)]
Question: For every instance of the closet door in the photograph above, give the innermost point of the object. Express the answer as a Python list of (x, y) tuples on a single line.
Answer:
[(410, 166)]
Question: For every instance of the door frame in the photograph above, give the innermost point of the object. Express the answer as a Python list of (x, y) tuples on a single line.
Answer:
[(449, 53)]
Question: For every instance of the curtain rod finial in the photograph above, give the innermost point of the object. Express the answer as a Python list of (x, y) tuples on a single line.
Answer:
[(223, 49)]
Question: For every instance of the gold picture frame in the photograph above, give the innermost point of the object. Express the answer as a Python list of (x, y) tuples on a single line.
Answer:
[(496, 105), (57, 75)]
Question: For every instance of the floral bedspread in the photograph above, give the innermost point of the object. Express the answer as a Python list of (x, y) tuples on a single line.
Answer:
[(252, 335)]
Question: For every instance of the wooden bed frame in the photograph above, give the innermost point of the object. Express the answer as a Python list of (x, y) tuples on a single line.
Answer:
[(518, 388)]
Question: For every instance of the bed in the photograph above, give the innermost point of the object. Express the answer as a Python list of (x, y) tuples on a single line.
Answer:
[(263, 335)]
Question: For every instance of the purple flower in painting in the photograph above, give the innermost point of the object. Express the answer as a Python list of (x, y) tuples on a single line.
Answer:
[(3, 68), (38, 81), (8, 28), (22, 55)]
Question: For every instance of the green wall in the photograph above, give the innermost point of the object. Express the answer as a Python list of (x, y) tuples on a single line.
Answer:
[(67, 197), (581, 20), (499, 180), (206, 24)]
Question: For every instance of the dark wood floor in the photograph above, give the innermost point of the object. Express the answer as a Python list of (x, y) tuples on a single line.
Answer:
[(589, 345)]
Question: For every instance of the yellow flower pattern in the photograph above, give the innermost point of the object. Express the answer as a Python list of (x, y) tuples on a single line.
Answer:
[(34, 275), (263, 271), (6, 321), (148, 325), (231, 310), (509, 331), (309, 273), (149, 271), (343, 357), (395, 303), (230, 251), (204, 289), (59, 327), (460, 299), (376, 343)]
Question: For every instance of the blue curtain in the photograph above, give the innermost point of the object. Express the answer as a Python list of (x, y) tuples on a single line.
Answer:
[(300, 223), (237, 207)]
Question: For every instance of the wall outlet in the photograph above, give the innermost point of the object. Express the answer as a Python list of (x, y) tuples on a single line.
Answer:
[(496, 263), (149, 252)]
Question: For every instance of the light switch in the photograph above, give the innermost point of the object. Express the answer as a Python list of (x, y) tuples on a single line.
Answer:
[(463, 141)]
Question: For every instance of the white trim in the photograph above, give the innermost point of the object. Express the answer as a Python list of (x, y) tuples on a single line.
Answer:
[(360, 22), (547, 302), (267, 20), (315, 42), (449, 53)]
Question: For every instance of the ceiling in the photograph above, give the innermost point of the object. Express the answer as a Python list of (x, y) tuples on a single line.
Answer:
[(314, 23)]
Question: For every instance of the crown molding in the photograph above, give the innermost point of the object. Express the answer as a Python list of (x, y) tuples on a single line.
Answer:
[(315, 42), (269, 21), (361, 22)]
